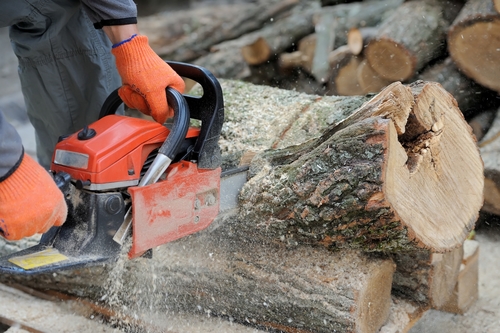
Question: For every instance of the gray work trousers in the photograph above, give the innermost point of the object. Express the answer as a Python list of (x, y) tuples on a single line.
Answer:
[(65, 66)]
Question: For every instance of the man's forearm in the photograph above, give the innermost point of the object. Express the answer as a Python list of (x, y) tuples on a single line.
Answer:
[(118, 33)]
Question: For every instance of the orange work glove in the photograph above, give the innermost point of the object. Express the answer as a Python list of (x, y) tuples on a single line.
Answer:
[(145, 76), (30, 202)]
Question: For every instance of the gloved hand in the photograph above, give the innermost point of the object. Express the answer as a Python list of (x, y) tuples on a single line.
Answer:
[(30, 202), (145, 76)]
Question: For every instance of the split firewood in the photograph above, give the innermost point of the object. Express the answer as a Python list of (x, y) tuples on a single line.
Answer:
[(490, 149), (474, 41), (332, 176), (358, 38), (369, 80), (471, 97), (408, 39), (427, 278), (466, 291), (343, 78)]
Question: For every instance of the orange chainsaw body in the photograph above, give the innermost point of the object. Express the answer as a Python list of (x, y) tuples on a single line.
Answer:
[(184, 201), (118, 150)]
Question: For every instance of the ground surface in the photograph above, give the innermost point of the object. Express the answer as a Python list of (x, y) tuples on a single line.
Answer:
[(483, 317)]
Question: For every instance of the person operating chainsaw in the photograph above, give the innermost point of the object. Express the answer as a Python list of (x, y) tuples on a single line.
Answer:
[(72, 54)]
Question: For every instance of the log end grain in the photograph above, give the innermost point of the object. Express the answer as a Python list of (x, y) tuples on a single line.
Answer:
[(475, 49), (391, 60), (257, 52), (369, 80), (435, 182)]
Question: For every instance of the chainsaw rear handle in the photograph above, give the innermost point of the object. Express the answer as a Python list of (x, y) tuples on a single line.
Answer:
[(208, 108)]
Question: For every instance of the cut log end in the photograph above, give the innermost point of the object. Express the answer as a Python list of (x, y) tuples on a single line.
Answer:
[(257, 52), (475, 51), (369, 80), (434, 182), (390, 60)]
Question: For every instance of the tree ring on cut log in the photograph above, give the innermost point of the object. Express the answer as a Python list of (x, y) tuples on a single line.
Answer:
[(475, 49), (390, 60), (436, 192)]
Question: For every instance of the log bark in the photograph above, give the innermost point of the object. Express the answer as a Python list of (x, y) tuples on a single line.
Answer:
[(407, 40), (474, 40), (427, 278), (471, 97), (490, 148), (262, 270)]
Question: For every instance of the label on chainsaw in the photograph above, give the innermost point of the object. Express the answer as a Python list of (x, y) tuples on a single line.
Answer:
[(38, 259)]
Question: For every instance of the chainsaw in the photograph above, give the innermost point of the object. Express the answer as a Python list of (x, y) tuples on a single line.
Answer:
[(131, 179)]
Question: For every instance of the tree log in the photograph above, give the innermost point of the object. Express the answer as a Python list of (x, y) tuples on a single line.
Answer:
[(496, 4), (263, 271), (407, 40), (379, 183), (490, 149), (369, 80), (474, 41), (335, 21), (343, 79), (471, 97), (302, 58)]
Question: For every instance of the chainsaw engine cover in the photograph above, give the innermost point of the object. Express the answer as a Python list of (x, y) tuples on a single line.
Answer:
[(114, 155)]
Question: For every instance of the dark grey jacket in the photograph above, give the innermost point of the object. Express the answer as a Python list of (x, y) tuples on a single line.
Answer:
[(12, 12)]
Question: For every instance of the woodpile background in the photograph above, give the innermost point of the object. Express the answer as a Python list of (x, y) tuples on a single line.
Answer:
[(344, 47)]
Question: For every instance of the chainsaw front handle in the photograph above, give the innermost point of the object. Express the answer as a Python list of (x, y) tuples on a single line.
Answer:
[(209, 108)]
